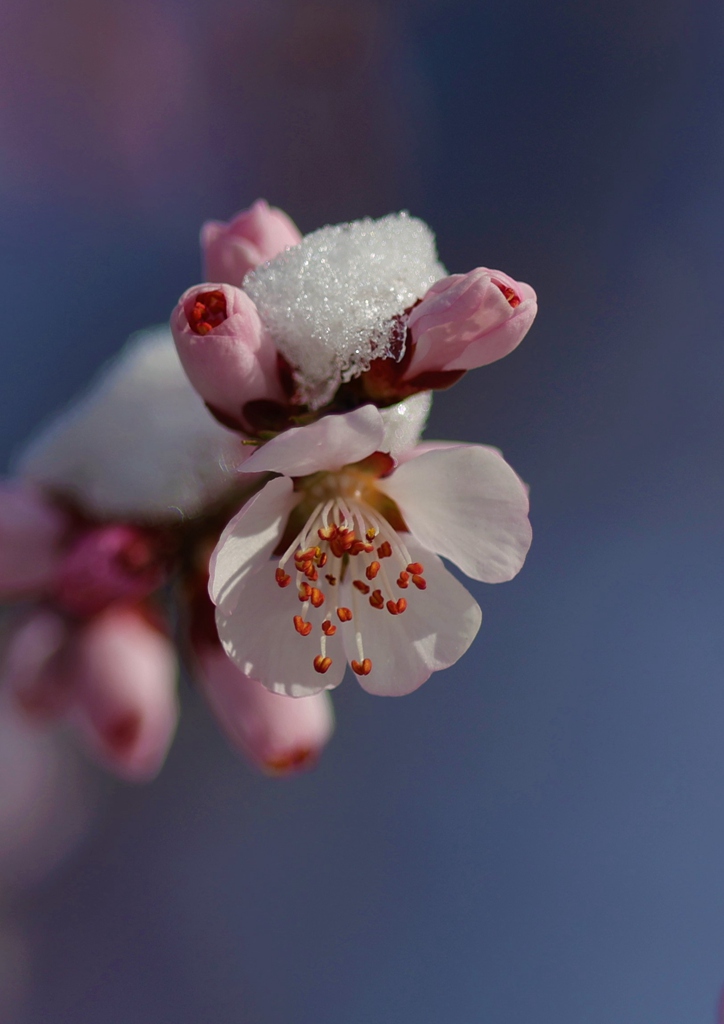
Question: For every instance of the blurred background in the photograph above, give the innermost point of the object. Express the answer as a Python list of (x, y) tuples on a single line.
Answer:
[(538, 833)]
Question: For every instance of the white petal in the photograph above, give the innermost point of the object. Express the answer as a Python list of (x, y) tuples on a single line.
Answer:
[(467, 504), (260, 638), (404, 423), (140, 443), (330, 443), (434, 631), (249, 539)]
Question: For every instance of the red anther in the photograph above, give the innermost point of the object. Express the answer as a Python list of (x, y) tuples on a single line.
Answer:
[(332, 580), (322, 664), (328, 628), (317, 597), (305, 592), (359, 546), (404, 580), (362, 587), (372, 569), (362, 668), (376, 599), (208, 312), (344, 614), (321, 559), (327, 532), (311, 573), (371, 532), (419, 582), (282, 578), (401, 605), (513, 299), (302, 627), (392, 608), (416, 568), (384, 550)]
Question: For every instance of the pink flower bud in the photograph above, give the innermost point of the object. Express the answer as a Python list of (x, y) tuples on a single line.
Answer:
[(254, 236), (123, 676), (469, 320), (278, 734), (31, 535), (226, 351), (109, 565)]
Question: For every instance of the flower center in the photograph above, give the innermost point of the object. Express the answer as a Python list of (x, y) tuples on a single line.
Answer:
[(347, 552), (207, 312), (512, 298)]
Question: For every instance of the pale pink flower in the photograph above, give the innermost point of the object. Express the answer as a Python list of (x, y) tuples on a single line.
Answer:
[(32, 532), (337, 559), (278, 734), (226, 351), (469, 320), (253, 236)]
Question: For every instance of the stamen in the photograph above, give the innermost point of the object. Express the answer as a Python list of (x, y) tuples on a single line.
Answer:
[(332, 580), (362, 587), (344, 614), (403, 580), (419, 582), (397, 607), (371, 532), (384, 550), (321, 664), (377, 600), (416, 568), (305, 592), (208, 312), (513, 299), (328, 628), (283, 578), (372, 569), (362, 668), (311, 573), (316, 597), (321, 560), (302, 627)]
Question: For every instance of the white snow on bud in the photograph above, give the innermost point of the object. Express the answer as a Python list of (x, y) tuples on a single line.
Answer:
[(140, 443), (330, 302)]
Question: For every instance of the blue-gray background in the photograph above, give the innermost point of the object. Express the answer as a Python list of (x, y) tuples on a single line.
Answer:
[(538, 833)]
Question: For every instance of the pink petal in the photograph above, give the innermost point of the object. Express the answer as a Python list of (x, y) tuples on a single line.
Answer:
[(328, 444), (278, 734), (467, 504), (433, 632), (31, 535), (235, 362), (469, 320), (253, 236), (32, 670), (123, 673), (249, 539)]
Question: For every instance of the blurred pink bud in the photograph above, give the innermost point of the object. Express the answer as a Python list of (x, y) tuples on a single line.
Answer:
[(469, 320), (278, 734), (107, 565), (226, 351), (31, 535), (122, 671), (254, 236), (32, 666)]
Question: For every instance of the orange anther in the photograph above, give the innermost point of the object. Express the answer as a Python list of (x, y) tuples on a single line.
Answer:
[(371, 533), (419, 582), (209, 310), (376, 599), (362, 587), (416, 568), (327, 532), (401, 605), (511, 297), (321, 559), (317, 597), (305, 592), (311, 573), (302, 627), (372, 569), (404, 580), (282, 578), (359, 546), (362, 668), (328, 628), (332, 580), (322, 664), (397, 607), (384, 550), (344, 614)]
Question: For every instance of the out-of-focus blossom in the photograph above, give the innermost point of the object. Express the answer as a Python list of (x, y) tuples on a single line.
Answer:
[(336, 560), (468, 320), (31, 535), (253, 236), (226, 351)]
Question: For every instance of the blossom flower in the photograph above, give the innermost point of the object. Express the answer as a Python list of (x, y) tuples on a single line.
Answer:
[(252, 237), (336, 560)]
